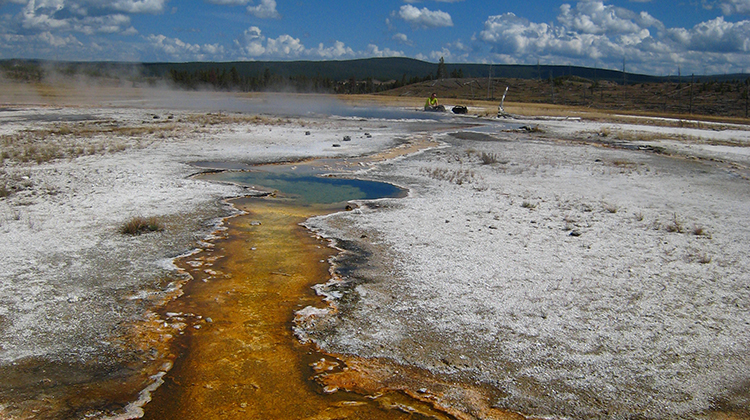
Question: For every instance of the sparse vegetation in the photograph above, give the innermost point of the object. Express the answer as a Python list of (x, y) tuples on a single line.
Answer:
[(215, 118), (699, 230), (528, 205), (456, 176), (699, 257), (570, 223), (623, 163), (489, 158), (72, 141), (610, 208), (675, 226), (533, 129), (139, 225)]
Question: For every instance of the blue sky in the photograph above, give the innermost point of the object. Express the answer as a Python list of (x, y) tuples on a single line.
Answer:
[(650, 36)]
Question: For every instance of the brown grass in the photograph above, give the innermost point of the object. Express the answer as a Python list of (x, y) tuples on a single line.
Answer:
[(675, 226), (139, 225), (234, 118)]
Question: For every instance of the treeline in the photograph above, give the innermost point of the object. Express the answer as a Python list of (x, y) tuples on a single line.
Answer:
[(232, 80), (22, 70), (348, 76)]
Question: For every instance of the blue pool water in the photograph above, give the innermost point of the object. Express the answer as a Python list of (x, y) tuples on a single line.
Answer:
[(310, 188)]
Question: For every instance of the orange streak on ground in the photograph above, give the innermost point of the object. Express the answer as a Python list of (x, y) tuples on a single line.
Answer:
[(245, 362)]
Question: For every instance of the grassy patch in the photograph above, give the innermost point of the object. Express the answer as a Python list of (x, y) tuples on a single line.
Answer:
[(139, 225), (225, 118)]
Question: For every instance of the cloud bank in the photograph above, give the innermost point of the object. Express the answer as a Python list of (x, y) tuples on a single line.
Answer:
[(587, 33), (594, 33)]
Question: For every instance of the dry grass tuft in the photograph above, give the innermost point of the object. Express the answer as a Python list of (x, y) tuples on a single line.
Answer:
[(675, 226), (489, 158), (139, 225), (610, 208), (699, 230), (699, 257)]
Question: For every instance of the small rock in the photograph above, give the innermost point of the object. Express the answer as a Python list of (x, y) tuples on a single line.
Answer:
[(347, 138), (574, 233), (307, 133)]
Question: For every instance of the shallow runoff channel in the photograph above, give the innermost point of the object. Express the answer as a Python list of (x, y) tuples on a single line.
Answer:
[(242, 360)]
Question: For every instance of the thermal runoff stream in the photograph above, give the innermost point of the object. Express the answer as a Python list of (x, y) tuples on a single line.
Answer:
[(241, 358)]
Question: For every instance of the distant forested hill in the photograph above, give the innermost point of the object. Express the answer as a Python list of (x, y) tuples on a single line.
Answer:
[(380, 69), (718, 95), (393, 69), (384, 69)]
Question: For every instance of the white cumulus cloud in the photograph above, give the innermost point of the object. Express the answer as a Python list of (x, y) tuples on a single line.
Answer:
[(284, 46), (424, 18), (265, 10), (177, 49), (83, 16), (596, 33), (715, 35), (229, 2), (253, 44), (401, 39), (594, 17), (732, 7), (375, 51), (136, 6), (336, 51)]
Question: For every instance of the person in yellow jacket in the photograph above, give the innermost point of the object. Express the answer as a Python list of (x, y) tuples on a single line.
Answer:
[(432, 103)]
